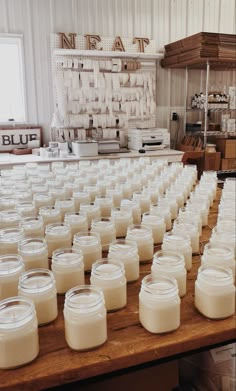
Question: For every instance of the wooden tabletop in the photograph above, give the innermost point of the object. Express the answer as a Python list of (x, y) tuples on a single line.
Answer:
[(128, 344)]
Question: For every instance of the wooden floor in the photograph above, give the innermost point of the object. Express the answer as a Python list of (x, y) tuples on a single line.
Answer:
[(128, 345)]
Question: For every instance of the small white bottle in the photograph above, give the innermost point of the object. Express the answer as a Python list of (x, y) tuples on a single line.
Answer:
[(39, 285), (9, 240), (85, 318), (162, 211), (142, 235), (91, 211), (50, 215), (34, 252), (122, 218), (80, 197), (19, 342), (76, 222), (144, 200), (171, 264), (65, 206), (26, 209), (159, 304), (9, 219), (105, 227), (90, 245), (57, 236), (135, 207), (11, 266), (176, 241), (216, 254), (68, 269), (105, 203), (126, 251), (33, 227), (109, 275), (157, 225), (215, 292), (188, 229)]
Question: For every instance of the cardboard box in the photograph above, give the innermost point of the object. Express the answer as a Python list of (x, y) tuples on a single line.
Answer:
[(228, 164), (212, 161), (227, 147)]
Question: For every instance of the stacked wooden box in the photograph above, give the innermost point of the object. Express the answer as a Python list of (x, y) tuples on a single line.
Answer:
[(196, 50)]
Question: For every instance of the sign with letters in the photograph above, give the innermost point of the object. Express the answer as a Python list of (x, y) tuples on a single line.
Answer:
[(12, 138)]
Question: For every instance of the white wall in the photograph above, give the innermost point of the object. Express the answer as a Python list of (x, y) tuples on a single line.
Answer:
[(163, 20)]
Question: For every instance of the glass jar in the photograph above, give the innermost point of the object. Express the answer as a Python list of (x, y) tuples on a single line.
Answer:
[(188, 216), (65, 206), (9, 219), (109, 275), (159, 304), (68, 269), (171, 264), (188, 229), (143, 199), (135, 207), (11, 266), (90, 245), (57, 236), (33, 227), (122, 218), (92, 190), (57, 193), (7, 203), (80, 197), (9, 239), (215, 292), (175, 241), (221, 237), (170, 201), (162, 211), (91, 211), (201, 204), (85, 318), (76, 222), (26, 209), (116, 195), (19, 341), (50, 215), (34, 252), (153, 192), (143, 237), (39, 285), (105, 203), (43, 199), (70, 188), (216, 254), (106, 230), (126, 251), (157, 225)]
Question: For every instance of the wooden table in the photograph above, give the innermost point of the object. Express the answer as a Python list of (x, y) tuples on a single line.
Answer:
[(128, 343)]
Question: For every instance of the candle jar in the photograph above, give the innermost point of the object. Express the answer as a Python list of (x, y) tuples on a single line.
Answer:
[(126, 190), (153, 192), (80, 197), (50, 215), (223, 237), (85, 318), (143, 199), (91, 211), (65, 206), (219, 255), (188, 216), (162, 211), (7, 203), (102, 186), (199, 204), (57, 236), (171, 202), (76, 222), (105, 203), (68, 269), (19, 342), (92, 190), (170, 264), (57, 193), (11, 266), (188, 229), (126, 251), (39, 285), (106, 230), (116, 195), (70, 188), (42, 200), (143, 237), (34, 252), (90, 245), (9, 239), (122, 218), (109, 275), (33, 227), (157, 225), (159, 304), (39, 189), (215, 292), (176, 241), (9, 219), (26, 209), (135, 207)]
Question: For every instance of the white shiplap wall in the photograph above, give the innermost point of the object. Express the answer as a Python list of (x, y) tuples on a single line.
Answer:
[(162, 20)]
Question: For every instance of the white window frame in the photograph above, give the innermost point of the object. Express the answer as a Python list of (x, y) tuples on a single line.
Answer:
[(17, 39)]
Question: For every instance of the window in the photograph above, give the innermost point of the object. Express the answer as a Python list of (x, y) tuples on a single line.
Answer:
[(12, 89)]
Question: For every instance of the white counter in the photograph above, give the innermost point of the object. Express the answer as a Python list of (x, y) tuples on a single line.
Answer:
[(7, 160)]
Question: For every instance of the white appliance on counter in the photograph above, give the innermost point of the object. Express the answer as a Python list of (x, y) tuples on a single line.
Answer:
[(150, 139), (85, 148)]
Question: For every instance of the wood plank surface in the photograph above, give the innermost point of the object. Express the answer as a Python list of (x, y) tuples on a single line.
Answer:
[(128, 343)]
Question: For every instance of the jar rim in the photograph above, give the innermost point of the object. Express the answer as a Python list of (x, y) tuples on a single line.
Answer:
[(221, 249), (57, 228), (84, 291), (41, 285), (215, 275), (159, 286), (170, 258), (58, 259), (10, 264), (107, 273), (8, 234), (26, 241), (84, 238), (16, 320)]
